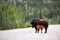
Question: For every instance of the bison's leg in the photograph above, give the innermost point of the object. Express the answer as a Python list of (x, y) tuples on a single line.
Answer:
[(35, 29), (41, 30), (38, 30), (45, 30)]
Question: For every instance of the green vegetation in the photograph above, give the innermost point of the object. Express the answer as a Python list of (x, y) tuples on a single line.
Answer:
[(18, 13)]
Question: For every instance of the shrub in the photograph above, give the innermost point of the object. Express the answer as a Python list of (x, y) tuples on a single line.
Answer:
[(27, 24)]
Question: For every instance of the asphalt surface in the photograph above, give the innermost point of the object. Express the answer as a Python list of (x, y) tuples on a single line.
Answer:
[(29, 34)]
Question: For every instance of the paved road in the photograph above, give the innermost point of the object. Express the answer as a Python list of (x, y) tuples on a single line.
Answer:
[(29, 34)]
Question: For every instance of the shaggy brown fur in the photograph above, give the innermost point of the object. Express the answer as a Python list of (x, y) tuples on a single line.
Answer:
[(36, 22)]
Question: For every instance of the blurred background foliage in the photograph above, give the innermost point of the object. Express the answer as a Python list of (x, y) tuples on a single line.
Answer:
[(19, 13)]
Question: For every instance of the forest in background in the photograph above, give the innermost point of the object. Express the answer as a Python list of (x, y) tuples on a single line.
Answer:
[(19, 13)]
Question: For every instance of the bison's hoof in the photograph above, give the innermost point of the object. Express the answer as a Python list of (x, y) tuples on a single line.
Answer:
[(45, 32)]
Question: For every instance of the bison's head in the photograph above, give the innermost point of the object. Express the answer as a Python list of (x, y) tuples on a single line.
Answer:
[(33, 24)]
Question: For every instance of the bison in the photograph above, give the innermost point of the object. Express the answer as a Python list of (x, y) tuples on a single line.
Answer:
[(39, 27), (36, 23)]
